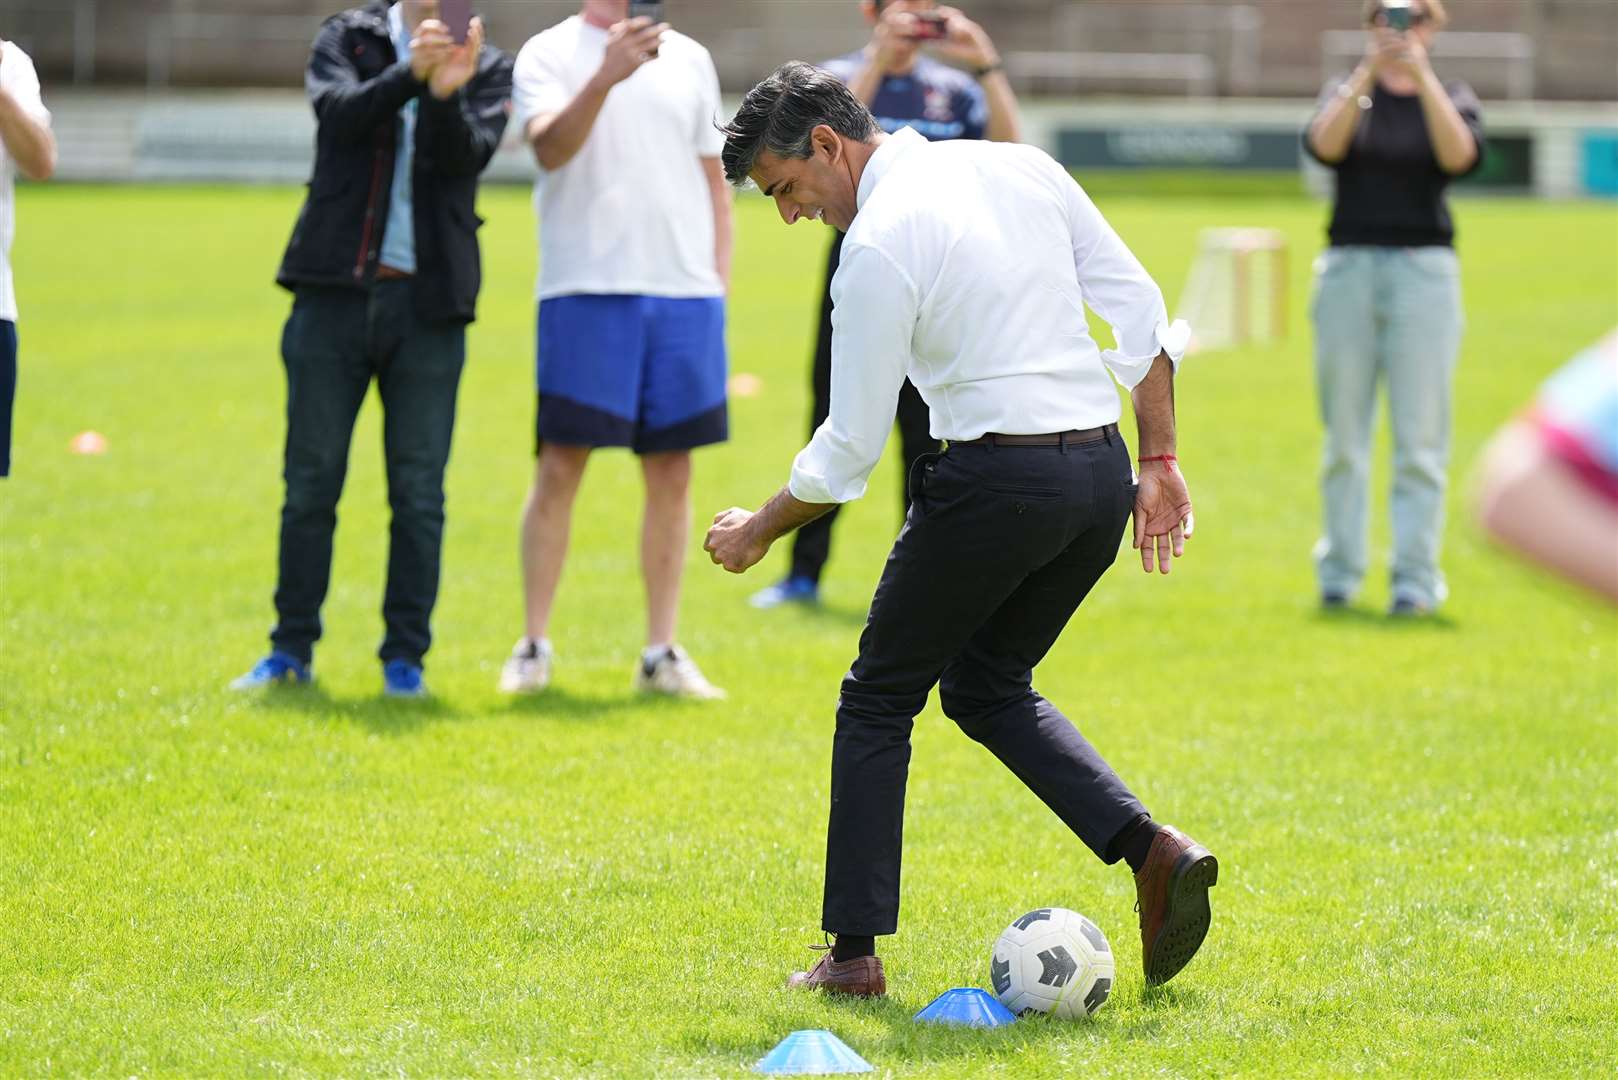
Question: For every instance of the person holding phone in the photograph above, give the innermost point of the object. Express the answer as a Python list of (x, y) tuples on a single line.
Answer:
[(1387, 296), (26, 146), (384, 270), (635, 241), (901, 77)]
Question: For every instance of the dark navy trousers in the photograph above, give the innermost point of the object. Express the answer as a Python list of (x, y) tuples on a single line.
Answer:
[(8, 390), (999, 547)]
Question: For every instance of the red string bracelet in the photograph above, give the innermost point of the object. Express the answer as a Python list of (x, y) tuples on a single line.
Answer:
[(1159, 457)]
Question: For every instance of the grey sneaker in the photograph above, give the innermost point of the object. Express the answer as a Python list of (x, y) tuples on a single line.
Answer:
[(675, 674), (528, 670)]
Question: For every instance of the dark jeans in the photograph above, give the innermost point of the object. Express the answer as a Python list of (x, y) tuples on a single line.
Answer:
[(335, 342), (1000, 546), (8, 390), (812, 546)]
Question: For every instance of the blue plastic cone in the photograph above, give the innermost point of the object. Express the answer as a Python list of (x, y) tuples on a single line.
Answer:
[(812, 1053), (966, 1006)]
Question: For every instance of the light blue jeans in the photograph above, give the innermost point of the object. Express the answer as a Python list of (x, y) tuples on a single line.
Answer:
[(1394, 315)]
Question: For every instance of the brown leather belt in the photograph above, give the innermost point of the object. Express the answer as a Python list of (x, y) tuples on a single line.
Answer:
[(1058, 438), (385, 272)]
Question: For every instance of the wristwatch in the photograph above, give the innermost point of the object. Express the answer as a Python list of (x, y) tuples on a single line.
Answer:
[(988, 69)]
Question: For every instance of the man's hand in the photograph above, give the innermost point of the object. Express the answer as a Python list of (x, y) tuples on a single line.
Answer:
[(1163, 520), (630, 44), (731, 543), (428, 48), (893, 40), (1401, 54), (459, 63), (965, 42)]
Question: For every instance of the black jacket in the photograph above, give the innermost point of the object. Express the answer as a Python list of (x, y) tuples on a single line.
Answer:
[(357, 87)]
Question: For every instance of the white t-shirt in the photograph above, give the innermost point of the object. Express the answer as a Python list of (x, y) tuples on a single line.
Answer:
[(17, 78), (631, 212)]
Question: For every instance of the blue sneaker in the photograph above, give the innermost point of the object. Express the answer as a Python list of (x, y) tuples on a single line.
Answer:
[(276, 669), (794, 589), (401, 678)]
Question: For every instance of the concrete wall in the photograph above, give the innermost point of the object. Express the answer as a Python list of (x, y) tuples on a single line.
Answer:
[(264, 42)]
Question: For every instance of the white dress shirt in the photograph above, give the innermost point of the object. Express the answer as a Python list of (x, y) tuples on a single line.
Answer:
[(967, 269), (18, 79)]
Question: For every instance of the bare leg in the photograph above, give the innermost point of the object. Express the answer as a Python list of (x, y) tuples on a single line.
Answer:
[(547, 517), (664, 535)]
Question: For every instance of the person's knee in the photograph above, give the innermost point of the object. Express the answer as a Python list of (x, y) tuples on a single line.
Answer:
[(558, 472), (975, 715), (1347, 448), (668, 475), (866, 707), (978, 700), (314, 481)]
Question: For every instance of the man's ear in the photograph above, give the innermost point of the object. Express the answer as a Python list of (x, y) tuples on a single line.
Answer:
[(826, 143)]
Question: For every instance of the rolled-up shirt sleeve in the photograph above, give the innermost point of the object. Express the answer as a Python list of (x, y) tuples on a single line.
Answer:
[(1117, 287), (873, 320)]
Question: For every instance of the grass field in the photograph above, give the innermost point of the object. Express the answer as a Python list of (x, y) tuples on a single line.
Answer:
[(1418, 822)]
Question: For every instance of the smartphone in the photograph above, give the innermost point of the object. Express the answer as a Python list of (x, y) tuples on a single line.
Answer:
[(457, 15), (1397, 13), (651, 9), (931, 26)]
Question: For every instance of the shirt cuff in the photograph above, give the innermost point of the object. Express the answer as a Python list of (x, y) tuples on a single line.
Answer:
[(811, 487), (1172, 338)]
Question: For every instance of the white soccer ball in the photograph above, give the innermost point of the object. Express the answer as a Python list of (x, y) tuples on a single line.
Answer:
[(1052, 960)]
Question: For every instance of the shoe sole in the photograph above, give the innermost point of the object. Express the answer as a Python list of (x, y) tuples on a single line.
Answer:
[(1186, 923)]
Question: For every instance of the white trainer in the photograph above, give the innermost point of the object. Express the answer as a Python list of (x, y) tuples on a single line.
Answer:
[(675, 674), (528, 670)]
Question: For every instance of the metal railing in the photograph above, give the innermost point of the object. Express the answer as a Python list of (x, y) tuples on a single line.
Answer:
[(1340, 49)]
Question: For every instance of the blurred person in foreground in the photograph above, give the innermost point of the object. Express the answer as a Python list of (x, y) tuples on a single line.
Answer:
[(635, 243), (1548, 483), (385, 270), (899, 78), (26, 146), (968, 266), (1387, 297)]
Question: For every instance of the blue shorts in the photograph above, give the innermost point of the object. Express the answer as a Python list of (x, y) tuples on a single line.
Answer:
[(646, 372)]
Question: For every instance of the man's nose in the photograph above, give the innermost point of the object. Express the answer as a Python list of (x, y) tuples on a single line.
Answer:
[(789, 211)]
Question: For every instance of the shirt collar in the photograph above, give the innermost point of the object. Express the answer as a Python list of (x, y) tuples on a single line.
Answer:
[(877, 165), (398, 31)]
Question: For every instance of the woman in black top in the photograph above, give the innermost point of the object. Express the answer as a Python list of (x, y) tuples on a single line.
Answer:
[(1387, 301)]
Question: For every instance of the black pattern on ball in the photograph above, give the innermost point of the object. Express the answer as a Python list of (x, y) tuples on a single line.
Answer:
[(1059, 966)]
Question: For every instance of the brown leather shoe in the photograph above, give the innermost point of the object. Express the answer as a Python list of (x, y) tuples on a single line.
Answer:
[(1171, 893), (861, 976)]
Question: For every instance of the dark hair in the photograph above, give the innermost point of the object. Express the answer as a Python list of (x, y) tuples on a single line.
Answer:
[(779, 113)]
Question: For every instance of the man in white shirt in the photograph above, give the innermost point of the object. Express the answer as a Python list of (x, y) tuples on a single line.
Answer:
[(26, 145), (634, 237), (967, 267)]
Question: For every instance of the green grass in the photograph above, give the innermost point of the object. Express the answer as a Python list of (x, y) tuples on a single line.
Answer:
[(1417, 822)]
